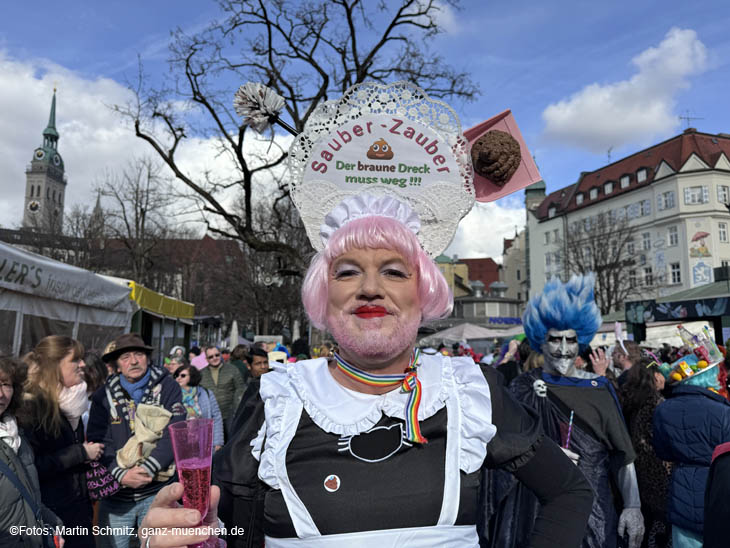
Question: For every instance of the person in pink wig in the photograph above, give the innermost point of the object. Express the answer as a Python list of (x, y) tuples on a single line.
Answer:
[(382, 445)]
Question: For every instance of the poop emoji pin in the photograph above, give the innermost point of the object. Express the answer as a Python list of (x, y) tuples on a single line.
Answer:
[(332, 483), (380, 150)]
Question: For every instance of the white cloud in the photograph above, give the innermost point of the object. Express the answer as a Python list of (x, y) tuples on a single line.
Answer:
[(635, 110), (93, 139), (481, 232)]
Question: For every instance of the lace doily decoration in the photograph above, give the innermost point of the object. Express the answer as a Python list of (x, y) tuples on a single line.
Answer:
[(384, 140)]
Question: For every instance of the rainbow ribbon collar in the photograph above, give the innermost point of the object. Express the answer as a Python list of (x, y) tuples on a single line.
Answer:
[(408, 382)]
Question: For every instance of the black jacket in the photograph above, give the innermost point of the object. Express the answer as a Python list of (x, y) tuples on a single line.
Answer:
[(109, 423), (61, 464)]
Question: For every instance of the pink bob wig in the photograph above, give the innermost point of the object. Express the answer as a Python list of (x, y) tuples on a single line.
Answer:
[(376, 232)]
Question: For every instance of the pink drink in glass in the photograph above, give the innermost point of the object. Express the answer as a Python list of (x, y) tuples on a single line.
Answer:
[(192, 442), (195, 478)]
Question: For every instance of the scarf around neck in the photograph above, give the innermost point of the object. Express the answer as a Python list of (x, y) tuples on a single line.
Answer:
[(73, 402), (9, 432), (190, 402), (136, 389)]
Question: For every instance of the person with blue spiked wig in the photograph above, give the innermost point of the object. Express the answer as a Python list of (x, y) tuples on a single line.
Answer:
[(579, 411)]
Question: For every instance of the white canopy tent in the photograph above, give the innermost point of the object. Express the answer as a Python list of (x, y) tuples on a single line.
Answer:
[(462, 332), (40, 297)]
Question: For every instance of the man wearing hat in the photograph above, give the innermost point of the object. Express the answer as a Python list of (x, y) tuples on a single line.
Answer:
[(135, 381)]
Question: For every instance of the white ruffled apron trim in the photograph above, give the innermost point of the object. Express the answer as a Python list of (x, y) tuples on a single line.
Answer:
[(456, 383), (458, 536)]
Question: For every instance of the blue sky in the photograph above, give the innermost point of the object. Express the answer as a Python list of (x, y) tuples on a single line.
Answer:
[(579, 76)]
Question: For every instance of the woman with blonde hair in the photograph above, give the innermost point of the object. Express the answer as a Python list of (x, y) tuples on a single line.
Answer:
[(55, 399)]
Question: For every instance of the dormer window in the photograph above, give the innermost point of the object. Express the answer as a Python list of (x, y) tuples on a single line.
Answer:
[(641, 175), (608, 187), (551, 213), (625, 181), (579, 199), (593, 194)]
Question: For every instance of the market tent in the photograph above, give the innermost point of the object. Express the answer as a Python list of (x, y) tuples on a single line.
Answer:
[(461, 332), (41, 297), (162, 321)]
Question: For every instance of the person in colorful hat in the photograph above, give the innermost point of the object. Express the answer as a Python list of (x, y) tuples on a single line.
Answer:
[(688, 426), (580, 411), (381, 445)]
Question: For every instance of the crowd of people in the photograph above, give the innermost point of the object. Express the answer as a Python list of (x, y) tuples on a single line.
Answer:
[(83, 434), (65, 412)]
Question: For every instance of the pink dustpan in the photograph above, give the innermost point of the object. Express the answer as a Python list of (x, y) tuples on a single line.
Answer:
[(526, 173)]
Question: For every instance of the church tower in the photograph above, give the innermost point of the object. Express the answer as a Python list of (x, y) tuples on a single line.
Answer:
[(45, 183)]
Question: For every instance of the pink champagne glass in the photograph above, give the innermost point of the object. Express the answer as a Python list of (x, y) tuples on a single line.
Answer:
[(192, 443)]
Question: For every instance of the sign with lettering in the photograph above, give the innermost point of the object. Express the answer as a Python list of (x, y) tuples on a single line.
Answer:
[(100, 482), (36, 275), (382, 150)]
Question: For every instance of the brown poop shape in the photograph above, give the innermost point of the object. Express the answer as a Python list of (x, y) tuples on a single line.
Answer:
[(380, 150), (496, 155)]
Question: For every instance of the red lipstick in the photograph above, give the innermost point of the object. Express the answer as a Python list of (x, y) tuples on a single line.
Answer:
[(367, 312)]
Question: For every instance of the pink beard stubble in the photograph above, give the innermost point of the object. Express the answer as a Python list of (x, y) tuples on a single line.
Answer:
[(373, 344)]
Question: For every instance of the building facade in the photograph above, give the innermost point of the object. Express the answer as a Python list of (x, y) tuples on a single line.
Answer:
[(673, 198), (514, 267), (45, 183)]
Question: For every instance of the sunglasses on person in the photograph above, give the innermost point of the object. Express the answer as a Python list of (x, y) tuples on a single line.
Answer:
[(182, 376), (212, 356)]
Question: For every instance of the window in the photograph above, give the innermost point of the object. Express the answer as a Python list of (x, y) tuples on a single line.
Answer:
[(587, 224), (547, 238), (696, 195), (519, 296), (646, 241), (648, 276), (608, 187), (676, 273), (551, 212), (621, 213), (665, 200), (673, 236), (593, 194), (556, 235), (722, 231), (625, 181), (587, 255), (630, 249), (632, 278), (645, 207), (548, 256), (579, 198), (633, 211), (641, 176), (519, 274), (725, 263), (722, 194)]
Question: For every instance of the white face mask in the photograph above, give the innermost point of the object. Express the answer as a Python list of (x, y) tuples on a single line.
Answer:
[(560, 350)]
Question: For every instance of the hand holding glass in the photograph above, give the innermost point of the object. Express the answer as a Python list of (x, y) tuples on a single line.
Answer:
[(192, 441)]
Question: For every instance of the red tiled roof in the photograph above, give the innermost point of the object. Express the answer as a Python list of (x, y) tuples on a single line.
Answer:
[(675, 152), (485, 270), (558, 199)]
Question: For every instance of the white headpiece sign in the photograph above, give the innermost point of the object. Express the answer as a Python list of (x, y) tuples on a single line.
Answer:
[(393, 144)]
